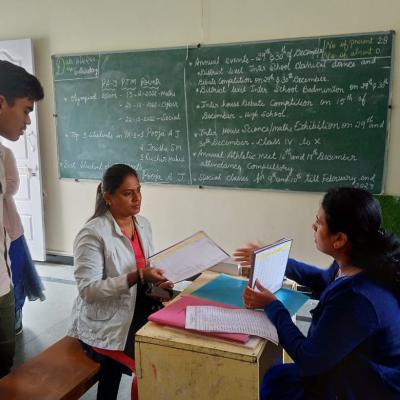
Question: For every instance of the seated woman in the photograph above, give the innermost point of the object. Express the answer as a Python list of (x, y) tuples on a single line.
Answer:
[(110, 254), (352, 350)]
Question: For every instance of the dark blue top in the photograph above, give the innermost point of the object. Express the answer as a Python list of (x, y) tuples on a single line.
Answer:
[(352, 350)]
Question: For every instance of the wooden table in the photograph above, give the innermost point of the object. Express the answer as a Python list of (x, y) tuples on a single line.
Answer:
[(173, 364)]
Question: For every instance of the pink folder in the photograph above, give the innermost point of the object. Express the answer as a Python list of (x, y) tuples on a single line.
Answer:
[(175, 315)]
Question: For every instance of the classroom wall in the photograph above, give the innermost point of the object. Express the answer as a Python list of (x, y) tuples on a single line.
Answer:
[(230, 216)]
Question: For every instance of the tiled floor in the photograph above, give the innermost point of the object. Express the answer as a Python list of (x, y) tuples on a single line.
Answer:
[(46, 322)]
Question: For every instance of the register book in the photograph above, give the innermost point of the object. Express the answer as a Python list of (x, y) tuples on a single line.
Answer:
[(269, 265)]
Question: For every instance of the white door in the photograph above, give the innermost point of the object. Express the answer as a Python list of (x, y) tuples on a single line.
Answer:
[(26, 150)]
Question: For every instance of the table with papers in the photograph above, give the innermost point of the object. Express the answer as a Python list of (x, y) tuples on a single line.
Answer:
[(176, 364)]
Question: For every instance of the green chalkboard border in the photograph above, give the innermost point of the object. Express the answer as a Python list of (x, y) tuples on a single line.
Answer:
[(293, 39)]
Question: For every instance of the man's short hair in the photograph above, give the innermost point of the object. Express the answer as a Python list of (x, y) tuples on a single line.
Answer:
[(16, 82)]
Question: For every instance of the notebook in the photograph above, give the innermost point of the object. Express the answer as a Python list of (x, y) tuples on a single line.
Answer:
[(269, 265)]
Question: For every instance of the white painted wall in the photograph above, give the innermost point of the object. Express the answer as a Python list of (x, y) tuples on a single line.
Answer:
[(230, 216)]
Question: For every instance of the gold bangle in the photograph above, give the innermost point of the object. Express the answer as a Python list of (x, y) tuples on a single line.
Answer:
[(140, 272)]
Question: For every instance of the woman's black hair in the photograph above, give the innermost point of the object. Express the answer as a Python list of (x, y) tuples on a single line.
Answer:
[(113, 178), (357, 213)]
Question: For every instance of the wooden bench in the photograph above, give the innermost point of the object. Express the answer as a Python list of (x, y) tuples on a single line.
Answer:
[(61, 372)]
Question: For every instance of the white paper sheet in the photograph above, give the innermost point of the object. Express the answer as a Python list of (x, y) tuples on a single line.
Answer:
[(217, 319), (189, 257), (181, 286)]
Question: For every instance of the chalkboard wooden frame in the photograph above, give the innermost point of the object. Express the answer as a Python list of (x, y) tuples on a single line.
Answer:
[(298, 114)]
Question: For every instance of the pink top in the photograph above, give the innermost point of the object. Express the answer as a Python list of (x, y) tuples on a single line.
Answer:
[(137, 250)]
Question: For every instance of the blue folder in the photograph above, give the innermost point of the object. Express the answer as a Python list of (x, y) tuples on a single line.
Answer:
[(228, 290)]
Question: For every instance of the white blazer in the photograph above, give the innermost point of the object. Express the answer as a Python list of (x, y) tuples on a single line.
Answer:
[(103, 257)]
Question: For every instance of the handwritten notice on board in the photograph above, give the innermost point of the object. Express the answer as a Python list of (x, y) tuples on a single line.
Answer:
[(301, 114)]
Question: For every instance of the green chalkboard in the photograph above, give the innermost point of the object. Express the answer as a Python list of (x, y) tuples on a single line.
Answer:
[(390, 206), (301, 114)]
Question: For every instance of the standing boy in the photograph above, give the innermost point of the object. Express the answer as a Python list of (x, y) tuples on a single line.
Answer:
[(18, 92)]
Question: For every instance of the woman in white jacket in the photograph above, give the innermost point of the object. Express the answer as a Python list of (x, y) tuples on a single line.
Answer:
[(111, 271)]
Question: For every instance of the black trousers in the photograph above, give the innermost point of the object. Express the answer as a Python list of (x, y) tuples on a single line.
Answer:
[(109, 375), (7, 332)]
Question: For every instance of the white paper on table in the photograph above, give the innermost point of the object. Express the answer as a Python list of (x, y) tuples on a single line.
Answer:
[(269, 265), (252, 342), (188, 257), (217, 319)]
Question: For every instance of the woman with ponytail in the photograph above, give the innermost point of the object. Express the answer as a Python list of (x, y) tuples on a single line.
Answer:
[(352, 350), (113, 276)]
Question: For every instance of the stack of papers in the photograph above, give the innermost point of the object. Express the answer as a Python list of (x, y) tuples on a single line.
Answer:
[(175, 315), (216, 319)]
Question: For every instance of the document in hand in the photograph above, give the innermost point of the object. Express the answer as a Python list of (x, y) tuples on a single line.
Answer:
[(269, 265), (188, 257)]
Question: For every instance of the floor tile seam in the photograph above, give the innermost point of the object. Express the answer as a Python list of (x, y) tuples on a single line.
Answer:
[(58, 280)]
